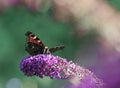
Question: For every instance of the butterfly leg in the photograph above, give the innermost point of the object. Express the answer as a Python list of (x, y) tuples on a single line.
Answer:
[(46, 50)]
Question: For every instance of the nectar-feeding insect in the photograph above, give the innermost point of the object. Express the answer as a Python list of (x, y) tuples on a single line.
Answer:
[(35, 46)]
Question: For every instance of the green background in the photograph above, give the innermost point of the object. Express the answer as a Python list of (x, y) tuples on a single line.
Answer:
[(14, 22)]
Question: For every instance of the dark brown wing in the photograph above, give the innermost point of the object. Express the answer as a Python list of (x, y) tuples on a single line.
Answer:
[(33, 44), (30, 37), (56, 48)]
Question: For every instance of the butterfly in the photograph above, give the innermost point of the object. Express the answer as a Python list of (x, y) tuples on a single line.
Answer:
[(35, 46)]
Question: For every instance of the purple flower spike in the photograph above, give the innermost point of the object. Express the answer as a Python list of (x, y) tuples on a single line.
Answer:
[(45, 65), (57, 67)]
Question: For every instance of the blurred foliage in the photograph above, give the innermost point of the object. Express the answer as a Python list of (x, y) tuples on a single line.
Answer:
[(14, 22), (115, 3)]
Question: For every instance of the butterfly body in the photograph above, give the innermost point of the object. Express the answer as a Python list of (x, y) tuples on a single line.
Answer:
[(35, 46)]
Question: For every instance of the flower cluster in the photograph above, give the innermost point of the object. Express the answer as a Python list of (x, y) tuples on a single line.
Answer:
[(48, 65), (56, 67)]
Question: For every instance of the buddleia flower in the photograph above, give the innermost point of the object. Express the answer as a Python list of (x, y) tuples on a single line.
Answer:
[(56, 67)]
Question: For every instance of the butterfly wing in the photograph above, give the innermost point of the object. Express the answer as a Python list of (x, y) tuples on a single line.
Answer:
[(56, 48), (33, 44)]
